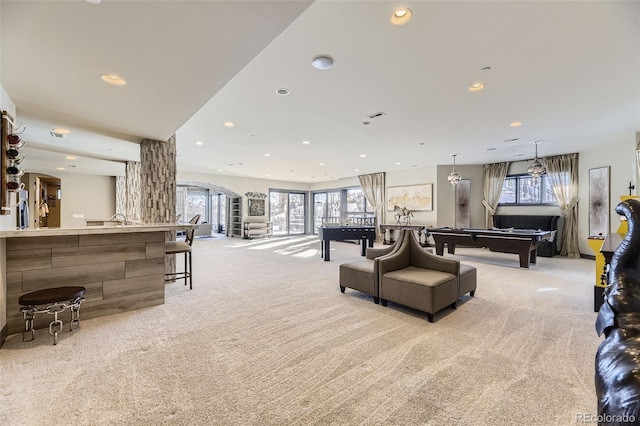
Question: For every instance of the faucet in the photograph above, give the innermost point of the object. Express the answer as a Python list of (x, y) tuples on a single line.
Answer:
[(119, 215)]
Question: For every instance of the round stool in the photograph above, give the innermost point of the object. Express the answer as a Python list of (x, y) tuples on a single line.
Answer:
[(51, 301)]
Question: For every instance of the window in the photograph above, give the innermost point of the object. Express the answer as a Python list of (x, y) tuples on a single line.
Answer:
[(191, 201), (525, 190), (288, 212), (335, 205)]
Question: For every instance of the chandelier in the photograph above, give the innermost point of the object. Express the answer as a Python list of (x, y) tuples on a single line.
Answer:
[(536, 169), (454, 177)]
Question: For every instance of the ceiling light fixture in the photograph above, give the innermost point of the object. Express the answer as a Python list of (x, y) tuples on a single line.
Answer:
[(267, 155), (61, 130), (113, 79), (363, 155), (322, 62), (401, 16), (476, 87), (199, 143), (59, 168), (71, 157), (282, 91), (536, 169), (515, 124), (306, 142), (454, 177), (229, 124)]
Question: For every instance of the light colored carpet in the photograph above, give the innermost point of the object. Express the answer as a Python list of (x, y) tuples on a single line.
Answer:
[(266, 338)]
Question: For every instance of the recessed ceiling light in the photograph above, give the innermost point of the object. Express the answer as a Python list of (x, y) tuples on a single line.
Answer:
[(366, 123), (401, 16), (61, 130), (476, 87), (71, 157), (93, 1), (113, 79), (322, 62), (59, 168), (398, 163), (515, 124), (356, 170), (199, 143), (219, 170), (229, 124), (282, 91), (363, 155), (322, 164), (267, 155), (306, 142)]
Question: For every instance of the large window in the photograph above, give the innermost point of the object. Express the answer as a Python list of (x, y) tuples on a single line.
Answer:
[(525, 190), (288, 212), (192, 200), (335, 205)]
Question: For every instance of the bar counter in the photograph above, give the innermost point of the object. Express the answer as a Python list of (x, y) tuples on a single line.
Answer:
[(122, 267)]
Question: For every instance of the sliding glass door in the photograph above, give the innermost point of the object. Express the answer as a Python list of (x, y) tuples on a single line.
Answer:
[(288, 212)]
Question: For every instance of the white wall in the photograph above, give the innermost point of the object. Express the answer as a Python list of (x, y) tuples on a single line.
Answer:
[(620, 156), (93, 196)]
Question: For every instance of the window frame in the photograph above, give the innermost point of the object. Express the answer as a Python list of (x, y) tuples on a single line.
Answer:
[(518, 177)]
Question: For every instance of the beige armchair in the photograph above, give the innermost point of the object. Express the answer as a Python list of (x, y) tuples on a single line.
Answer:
[(413, 277), (362, 275)]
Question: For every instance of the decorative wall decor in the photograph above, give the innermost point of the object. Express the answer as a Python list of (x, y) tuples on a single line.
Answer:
[(599, 201), (256, 207), (255, 195), (413, 197), (463, 209)]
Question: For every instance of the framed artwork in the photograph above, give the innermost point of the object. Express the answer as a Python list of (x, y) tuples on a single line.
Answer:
[(599, 201), (256, 207), (463, 197), (413, 197)]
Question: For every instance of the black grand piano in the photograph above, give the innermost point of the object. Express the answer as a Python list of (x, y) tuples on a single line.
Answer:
[(345, 233)]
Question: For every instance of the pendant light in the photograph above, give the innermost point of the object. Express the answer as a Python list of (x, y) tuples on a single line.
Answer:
[(454, 177), (536, 169)]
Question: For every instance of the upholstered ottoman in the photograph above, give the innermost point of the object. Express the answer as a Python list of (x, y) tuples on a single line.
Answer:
[(359, 275), (468, 276), (424, 289)]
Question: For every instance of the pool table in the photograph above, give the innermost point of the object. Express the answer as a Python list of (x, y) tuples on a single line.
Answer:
[(523, 242)]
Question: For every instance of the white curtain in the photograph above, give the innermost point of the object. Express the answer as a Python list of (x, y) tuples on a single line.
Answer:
[(493, 179), (562, 174), (373, 189)]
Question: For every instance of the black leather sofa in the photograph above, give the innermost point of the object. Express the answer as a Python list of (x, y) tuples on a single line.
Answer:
[(617, 375), (545, 223)]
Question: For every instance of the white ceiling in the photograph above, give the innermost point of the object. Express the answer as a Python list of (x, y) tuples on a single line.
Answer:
[(570, 71)]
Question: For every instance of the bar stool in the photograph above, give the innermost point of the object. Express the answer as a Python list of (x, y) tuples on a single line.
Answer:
[(51, 301), (176, 247)]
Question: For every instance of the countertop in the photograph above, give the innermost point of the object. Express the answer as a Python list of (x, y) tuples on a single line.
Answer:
[(88, 230)]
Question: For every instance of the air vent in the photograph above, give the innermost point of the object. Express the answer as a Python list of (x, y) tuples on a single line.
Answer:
[(58, 135), (376, 115)]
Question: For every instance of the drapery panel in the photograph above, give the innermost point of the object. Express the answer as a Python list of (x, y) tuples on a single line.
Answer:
[(493, 179), (562, 174), (373, 189)]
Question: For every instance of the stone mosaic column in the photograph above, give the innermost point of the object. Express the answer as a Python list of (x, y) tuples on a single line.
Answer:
[(134, 192), (158, 181), (158, 186)]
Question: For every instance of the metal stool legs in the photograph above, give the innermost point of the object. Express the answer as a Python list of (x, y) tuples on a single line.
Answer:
[(29, 313)]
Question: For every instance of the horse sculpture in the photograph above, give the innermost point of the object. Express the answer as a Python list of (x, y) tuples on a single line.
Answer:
[(617, 361), (402, 214)]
